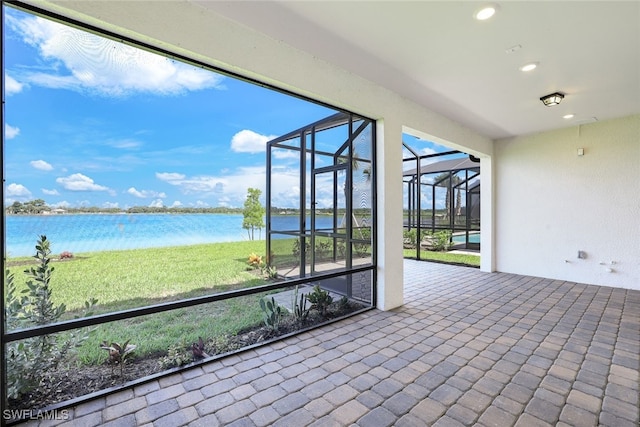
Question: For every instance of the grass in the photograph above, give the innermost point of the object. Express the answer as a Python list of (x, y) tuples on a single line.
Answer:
[(138, 277), (157, 332), (471, 260)]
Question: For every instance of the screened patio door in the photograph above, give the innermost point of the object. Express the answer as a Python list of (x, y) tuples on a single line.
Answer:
[(330, 218)]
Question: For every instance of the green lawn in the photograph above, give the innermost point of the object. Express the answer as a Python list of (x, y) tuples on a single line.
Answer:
[(133, 278), (471, 260)]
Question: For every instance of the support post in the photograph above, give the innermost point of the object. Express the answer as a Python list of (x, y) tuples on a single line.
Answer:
[(389, 207)]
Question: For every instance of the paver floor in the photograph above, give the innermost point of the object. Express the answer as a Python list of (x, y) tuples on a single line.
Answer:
[(467, 349)]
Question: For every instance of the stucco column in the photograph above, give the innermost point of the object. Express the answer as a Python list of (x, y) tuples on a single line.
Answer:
[(487, 215), (389, 204)]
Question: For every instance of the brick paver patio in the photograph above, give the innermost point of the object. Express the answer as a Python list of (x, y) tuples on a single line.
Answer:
[(467, 348)]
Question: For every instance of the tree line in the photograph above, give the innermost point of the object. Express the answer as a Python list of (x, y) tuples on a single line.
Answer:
[(39, 206)]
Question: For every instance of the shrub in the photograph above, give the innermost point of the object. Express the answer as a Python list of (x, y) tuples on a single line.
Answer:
[(255, 261), (320, 300), (441, 241), (29, 360), (176, 356), (269, 271)]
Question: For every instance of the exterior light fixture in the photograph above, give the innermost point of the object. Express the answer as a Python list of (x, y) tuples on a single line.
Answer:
[(486, 12), (552, 99)]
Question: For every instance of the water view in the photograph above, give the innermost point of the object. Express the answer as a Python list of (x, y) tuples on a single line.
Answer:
[(100, 232)]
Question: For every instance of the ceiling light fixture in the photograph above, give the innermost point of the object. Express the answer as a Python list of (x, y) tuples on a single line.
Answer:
[(529, 67), (568, 116), (486, 12), (552, 99)]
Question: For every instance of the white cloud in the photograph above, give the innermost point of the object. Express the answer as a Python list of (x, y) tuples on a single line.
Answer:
[(17, 190), (104, 66), (62, 204), (281, 153), (80, 182), (158, 203), (127, 144), (11, 85), (11, 132), (169, 177), (110, 205), (41, 165), (53, 192), (230, 188), (248, 141), (145, 194), (176, 204)]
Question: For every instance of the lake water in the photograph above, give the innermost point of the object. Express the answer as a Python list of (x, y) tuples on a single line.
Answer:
[(90, 233)]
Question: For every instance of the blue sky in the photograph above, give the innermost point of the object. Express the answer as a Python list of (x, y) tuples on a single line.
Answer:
[(91, 122)]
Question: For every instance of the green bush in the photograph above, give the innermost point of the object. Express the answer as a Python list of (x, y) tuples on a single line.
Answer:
[(441, 240), (29, 360), (177, 356), (320, 300)]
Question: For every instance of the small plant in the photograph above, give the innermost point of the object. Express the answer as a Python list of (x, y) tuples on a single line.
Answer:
[(255, 261), (320, 300), (66, 255), (269, 271), (118, 354), (272, 313), (300, 310), (176, 356), (343, 303), (197, 349)]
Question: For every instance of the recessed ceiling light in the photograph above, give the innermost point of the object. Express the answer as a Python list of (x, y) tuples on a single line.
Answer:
[(529, 67), (486, 12), (568, 116)]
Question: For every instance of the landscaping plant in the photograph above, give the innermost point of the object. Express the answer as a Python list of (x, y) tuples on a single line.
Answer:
[(272, 313), (197, 349), (320, 300), (255, 261), (300, 310), (176, 356), (118, 354), (30, 360)]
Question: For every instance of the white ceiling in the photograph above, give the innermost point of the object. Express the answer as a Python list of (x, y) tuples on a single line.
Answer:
[(438, 55)]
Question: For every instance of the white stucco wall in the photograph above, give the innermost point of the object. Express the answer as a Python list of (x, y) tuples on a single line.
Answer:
[(552, 203)]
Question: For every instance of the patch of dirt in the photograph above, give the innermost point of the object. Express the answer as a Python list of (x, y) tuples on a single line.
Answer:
[(65, 384)]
